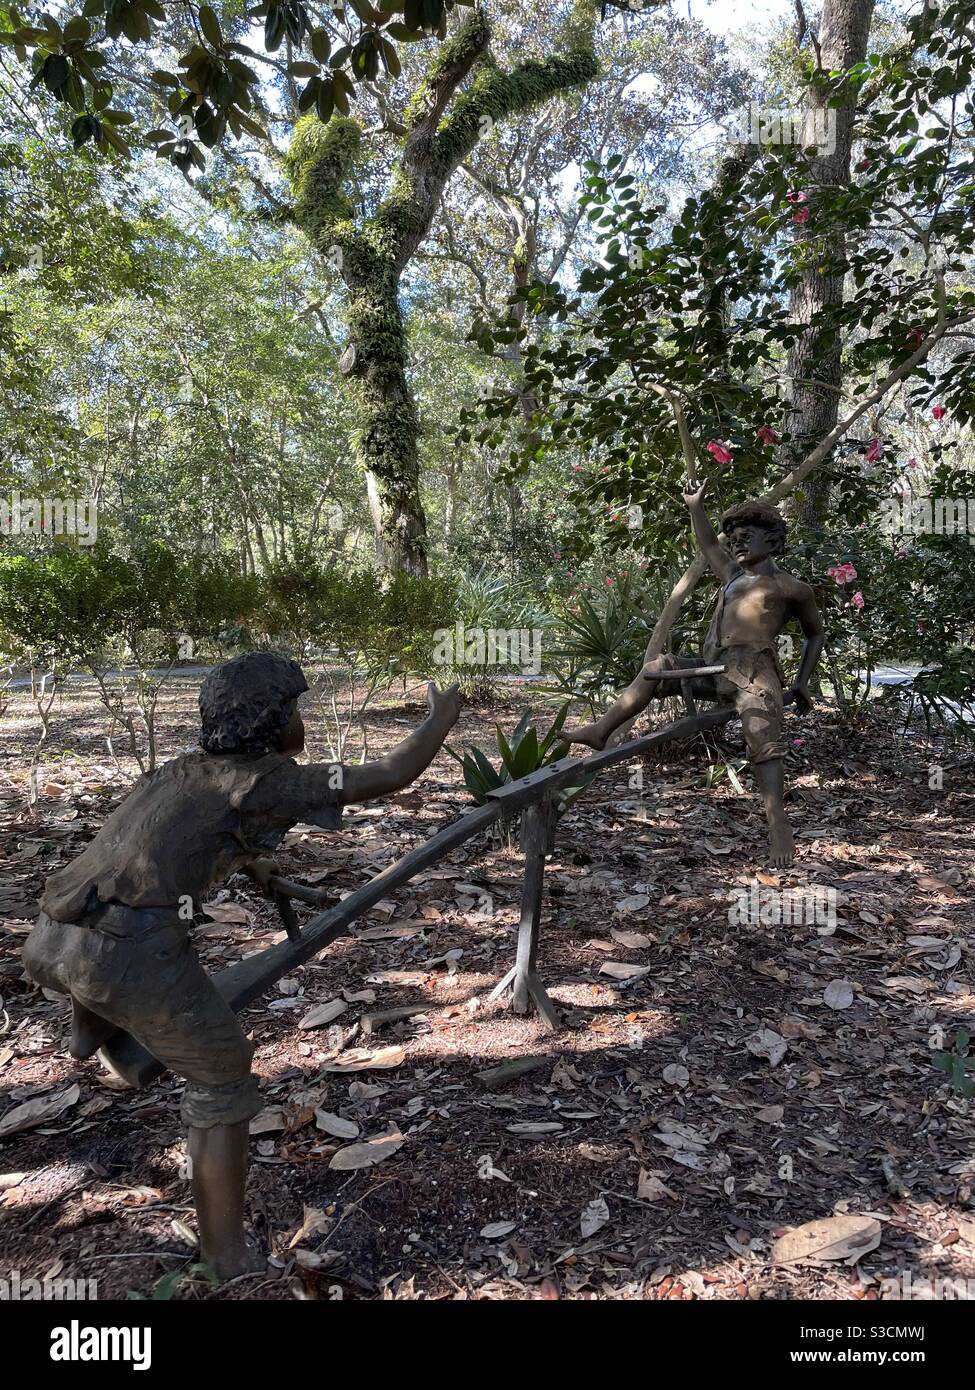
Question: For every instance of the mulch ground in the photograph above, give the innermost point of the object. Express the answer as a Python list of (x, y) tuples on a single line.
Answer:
[(722, 1078)]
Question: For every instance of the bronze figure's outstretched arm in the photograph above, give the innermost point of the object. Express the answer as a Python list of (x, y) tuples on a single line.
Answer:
[(409, 758)]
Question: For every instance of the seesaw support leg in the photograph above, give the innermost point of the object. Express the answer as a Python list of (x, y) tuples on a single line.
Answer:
[(523, 978)]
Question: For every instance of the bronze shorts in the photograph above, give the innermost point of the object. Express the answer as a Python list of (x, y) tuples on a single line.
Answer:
[(752, 682), (136, 968)]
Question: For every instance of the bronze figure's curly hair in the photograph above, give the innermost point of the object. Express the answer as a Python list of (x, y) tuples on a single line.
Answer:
[(755, 513), (247, 702)]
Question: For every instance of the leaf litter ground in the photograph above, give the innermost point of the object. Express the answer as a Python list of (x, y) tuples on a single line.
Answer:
[(719, 1085)]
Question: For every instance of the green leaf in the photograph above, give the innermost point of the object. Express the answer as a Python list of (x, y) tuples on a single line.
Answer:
[(309, 94), (210, 26), (391, 60), (321, 44), (77, 30), (325, 100), (55, 72)]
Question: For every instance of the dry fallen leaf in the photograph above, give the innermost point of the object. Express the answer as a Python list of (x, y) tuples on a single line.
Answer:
[(792, 1026), (912, 983), (632, 940), (965, 1226), (40, 1111), (651, 1189), (185, 1233), (620, 971), (770, 1114), (838, 994), (636, 903), (594, 1217), (496, 1229), (335, 1125), (845, 1238), (234, 913), (313, 1222), (368, 1153), (768, 1044), (534, 1127), (323, 1013), (367, 1059), (271, 1120)]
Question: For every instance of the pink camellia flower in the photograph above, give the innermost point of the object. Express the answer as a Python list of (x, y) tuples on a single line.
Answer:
[(938, 412), (875, 451), (795, 197), (719, 452), (798, 743), (865, 164), (900, 553), (766, 435), (800, 217), (916, 337), (610, 583), (857, 599), (842, 574)]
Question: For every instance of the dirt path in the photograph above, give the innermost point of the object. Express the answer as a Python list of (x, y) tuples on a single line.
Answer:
[(759, 1075)]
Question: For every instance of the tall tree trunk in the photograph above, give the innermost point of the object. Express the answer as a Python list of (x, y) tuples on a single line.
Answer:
[(387, 426), (371, 252), (815, 361)]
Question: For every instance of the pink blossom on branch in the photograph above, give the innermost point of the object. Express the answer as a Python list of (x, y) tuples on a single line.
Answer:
[(938, 412), (875, 451), (766, 435), (721, 453), (857, 600), (842, 574)]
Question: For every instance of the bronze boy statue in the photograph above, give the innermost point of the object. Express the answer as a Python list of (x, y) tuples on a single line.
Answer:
[(756, 602), (112, 931)]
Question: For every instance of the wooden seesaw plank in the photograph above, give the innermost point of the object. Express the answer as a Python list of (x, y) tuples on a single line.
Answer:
[(242, 983)]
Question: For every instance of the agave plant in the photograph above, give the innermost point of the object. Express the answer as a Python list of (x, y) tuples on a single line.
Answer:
[(520, 753)]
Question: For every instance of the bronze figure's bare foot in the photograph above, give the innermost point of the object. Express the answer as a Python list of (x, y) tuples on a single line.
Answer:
[(782, 845), (588, 734), (231, 1264)]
